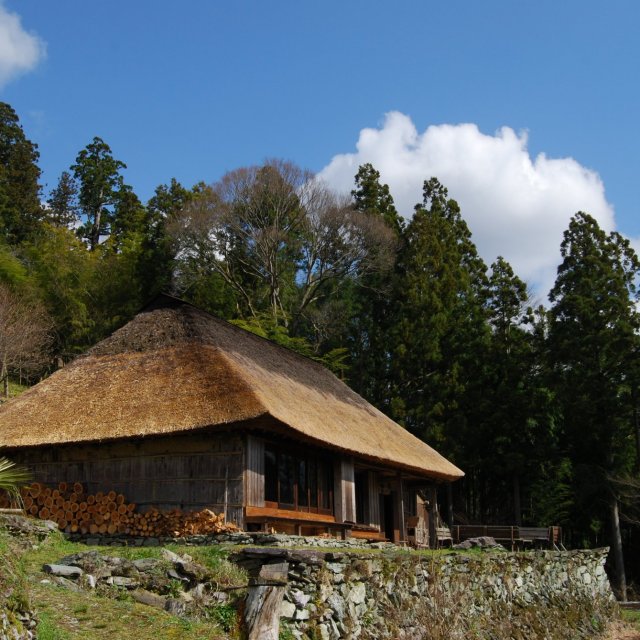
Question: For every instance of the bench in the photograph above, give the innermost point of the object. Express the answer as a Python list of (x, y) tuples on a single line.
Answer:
[(536, 536)]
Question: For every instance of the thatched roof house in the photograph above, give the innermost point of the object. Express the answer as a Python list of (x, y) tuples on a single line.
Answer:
[(176, 383)]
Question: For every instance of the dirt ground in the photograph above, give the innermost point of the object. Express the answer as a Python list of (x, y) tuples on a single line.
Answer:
[(622, 631)]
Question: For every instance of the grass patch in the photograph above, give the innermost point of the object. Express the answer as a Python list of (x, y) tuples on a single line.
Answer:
[(15, 389), (87, 616), (631, 616), (47, 629), (65, 614), (14, 593)]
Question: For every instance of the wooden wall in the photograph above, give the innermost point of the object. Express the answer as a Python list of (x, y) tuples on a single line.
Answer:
[(254, 474), (344, 490), (184, 471)]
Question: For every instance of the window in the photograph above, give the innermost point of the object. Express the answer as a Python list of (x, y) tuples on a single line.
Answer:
[(297, 480)]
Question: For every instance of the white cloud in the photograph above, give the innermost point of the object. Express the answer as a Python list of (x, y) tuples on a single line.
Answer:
[(515, 206), (19, 51)]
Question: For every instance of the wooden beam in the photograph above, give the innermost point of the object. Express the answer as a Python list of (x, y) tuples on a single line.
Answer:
[(268, 512), (403, 528), (264, 600)]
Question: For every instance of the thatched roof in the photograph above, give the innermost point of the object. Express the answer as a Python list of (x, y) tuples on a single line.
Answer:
[(175, 368)]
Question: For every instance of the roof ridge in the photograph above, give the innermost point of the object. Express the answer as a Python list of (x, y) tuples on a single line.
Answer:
[(229, 323)]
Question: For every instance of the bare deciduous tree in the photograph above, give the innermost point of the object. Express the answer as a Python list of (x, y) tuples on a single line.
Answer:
[(25, 335), (278, 236)]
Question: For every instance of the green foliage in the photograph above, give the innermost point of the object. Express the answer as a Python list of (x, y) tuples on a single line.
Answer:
[(12, 271), (14, 586), (63, 271), (552, 495), (158, 251), (12, 477), (280, 243), (174, 588), (371, 305), (373, 197), (225, 616), (129, 218), (441, 330), (335, 359), (100, 182), (508, 426), (20, 209), (63, 202), (285, 632), (593, 338)]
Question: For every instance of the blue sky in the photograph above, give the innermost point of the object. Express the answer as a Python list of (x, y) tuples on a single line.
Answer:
[(192, 89)]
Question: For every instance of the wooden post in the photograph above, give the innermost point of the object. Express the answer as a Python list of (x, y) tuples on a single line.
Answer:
[(226, 491), (403, 528), (344, 495), (264, 600), (433, 508)]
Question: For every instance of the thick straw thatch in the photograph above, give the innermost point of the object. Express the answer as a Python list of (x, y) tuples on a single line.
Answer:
[(175, 368)]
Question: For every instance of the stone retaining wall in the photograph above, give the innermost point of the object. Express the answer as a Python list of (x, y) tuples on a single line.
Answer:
[(543, 594), (237, 538)]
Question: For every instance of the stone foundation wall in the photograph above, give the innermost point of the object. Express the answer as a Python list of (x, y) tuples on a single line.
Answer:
[(543, 594)]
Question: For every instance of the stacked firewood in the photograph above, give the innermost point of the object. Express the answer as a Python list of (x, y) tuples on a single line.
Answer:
[(178, 523), (75, 511)]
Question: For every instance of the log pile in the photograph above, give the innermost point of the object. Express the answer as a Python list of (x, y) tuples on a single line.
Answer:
[(75, 511)]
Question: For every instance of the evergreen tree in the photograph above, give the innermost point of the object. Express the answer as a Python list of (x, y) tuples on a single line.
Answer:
[(20, 209), (373, 196), (129, 218), (370, 305), (509, 432), (441, 332), (63, 202), (100, 181), (593, 340), (162, 209)]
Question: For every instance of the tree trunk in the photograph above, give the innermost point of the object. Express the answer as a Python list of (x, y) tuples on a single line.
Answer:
[(517, 506), (636, 424), (450, 504), (618, 556)]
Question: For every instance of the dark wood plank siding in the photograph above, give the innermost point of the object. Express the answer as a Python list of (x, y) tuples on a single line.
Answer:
[(344, 490), (254, 479), (185, 471)]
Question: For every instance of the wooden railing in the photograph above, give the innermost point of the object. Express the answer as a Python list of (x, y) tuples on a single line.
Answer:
[(514, 537)]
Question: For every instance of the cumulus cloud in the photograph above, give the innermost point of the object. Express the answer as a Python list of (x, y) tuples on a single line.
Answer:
[(515, 205), (19, 51)]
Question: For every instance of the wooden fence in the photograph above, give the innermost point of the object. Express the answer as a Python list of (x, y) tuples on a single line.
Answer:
[(512, 537)]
